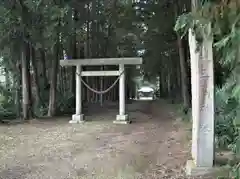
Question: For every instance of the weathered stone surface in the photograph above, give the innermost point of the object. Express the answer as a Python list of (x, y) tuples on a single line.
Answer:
[(77, 119), (202, 103), (102, 61), (193, 170), (122, 119)]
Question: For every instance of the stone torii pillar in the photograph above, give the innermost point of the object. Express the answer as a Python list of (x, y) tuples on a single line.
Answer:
[(122, 117), (79, 116)]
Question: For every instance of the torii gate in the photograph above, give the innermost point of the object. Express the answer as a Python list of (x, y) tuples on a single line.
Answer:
[(122, 117)]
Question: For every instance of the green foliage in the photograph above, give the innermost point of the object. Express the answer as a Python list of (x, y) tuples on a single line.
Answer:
[(235, 173), (7, 103), (159, 39), (183, 23), (224, 18), (225, 130)]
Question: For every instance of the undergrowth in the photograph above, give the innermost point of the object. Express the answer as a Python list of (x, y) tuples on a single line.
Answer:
[(224, 19)]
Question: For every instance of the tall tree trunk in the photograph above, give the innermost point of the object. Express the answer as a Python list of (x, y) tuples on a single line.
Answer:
[(182, 59), (35, 76), (86, 93), (53, 85), (18, 94), (163, 85), (94, 42), (7, 78), (18, 77), (44, 69), (26, 91), (183, 70), (74, 54)]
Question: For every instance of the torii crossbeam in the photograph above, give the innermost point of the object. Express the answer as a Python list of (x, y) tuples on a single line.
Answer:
[(122, 117)]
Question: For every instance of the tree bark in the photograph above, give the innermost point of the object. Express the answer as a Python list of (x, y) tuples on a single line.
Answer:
[(26, 91), (183, 70), (18, 94), (44, 69), (7, 78), (53, 86), (18, 77), (74, 55), (182, 60), (35, 76), (87, 94)]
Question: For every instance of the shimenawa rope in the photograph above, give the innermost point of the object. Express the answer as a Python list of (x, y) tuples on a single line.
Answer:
[(103, 91)]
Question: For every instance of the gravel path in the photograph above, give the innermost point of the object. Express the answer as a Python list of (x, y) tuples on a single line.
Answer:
[(153, 146)]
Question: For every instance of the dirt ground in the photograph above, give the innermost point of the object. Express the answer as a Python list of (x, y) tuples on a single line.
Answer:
[(153, 146)]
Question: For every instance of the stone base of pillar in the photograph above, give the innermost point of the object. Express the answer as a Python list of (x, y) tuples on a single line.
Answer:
[(77, 118), (122, 119), (193, 170)]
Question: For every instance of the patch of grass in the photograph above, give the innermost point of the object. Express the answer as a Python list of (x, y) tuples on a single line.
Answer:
[(178, 109), (221, 172)]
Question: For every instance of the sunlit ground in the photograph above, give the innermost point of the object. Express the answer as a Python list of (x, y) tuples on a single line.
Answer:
[(153, 146)]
